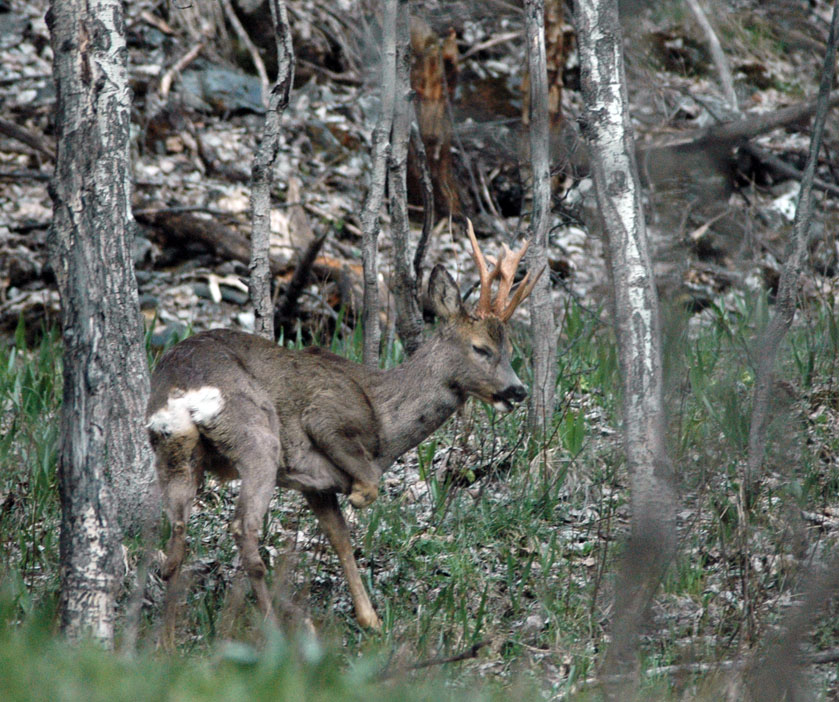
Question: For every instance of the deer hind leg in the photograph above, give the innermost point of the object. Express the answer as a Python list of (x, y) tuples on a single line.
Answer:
[(179, 472), (253, 449), (326, 508)]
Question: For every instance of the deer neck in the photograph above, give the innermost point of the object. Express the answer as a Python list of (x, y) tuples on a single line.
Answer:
[(415, 398)]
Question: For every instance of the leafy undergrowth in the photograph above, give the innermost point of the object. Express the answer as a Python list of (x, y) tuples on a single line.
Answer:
[(36, 665), (481, 538)]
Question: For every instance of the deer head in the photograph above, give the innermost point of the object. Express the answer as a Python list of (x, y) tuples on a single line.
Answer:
[(477, 338)]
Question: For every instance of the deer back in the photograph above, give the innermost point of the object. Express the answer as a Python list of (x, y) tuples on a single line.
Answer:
[(229, 379)]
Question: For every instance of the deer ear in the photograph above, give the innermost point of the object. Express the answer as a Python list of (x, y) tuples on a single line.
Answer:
[(443, 294)]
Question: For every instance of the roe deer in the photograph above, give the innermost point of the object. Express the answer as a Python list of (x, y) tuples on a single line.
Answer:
[(240, 406)]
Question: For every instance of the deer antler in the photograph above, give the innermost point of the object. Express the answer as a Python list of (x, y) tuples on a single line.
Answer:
[(524, 289), (504, 268), (484, 306)]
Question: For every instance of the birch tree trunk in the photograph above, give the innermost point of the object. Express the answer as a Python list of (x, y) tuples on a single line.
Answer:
[(376, 191), (105, 470), (541, 402), (262, 176), (615, 175)]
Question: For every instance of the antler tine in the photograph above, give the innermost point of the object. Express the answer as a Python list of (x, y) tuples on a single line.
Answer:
[(484, 306), (508, 264), (524, 289)]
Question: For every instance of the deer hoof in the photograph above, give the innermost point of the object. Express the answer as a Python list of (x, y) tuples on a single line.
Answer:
[(370, 621), (363, 494)]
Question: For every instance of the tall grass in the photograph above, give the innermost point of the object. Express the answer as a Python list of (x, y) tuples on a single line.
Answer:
[(30, 397)]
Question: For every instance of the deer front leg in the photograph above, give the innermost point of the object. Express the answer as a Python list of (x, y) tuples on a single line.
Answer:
[(326, 508), (343, 442), (363, 494)]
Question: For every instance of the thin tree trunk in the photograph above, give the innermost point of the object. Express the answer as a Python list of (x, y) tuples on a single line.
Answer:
[(408, 316), (375, 193), (726, 80), (105, 470), (427, 191), (263, 172), (543, 328), (615, 174), (771, 339)]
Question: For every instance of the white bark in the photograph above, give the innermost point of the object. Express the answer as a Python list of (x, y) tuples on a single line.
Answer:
[(609, 134)]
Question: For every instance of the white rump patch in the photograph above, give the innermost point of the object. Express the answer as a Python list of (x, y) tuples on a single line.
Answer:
[(204, 403), (186, 409)]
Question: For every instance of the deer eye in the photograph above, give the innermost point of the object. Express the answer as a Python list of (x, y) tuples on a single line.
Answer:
[(482, 351)]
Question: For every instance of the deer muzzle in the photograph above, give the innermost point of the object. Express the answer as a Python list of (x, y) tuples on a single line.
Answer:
[(503, 401)]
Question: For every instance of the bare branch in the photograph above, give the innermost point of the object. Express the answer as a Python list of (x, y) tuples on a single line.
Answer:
[(253, 52), (785, 168), (287, 307), (469, 653), (179, 65), (36, 141), (427, 199)]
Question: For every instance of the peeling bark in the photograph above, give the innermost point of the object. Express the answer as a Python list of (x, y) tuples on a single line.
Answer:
[(263, 171), (434, 78), (105, 472), (614, 171)]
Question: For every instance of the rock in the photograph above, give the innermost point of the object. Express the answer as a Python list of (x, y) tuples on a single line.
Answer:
[(221, 90)]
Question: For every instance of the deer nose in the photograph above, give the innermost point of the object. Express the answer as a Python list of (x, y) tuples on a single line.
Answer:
[(515, 393)]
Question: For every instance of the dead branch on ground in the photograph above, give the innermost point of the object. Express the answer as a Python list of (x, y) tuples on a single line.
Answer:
[(469, 653), (36, 141)]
